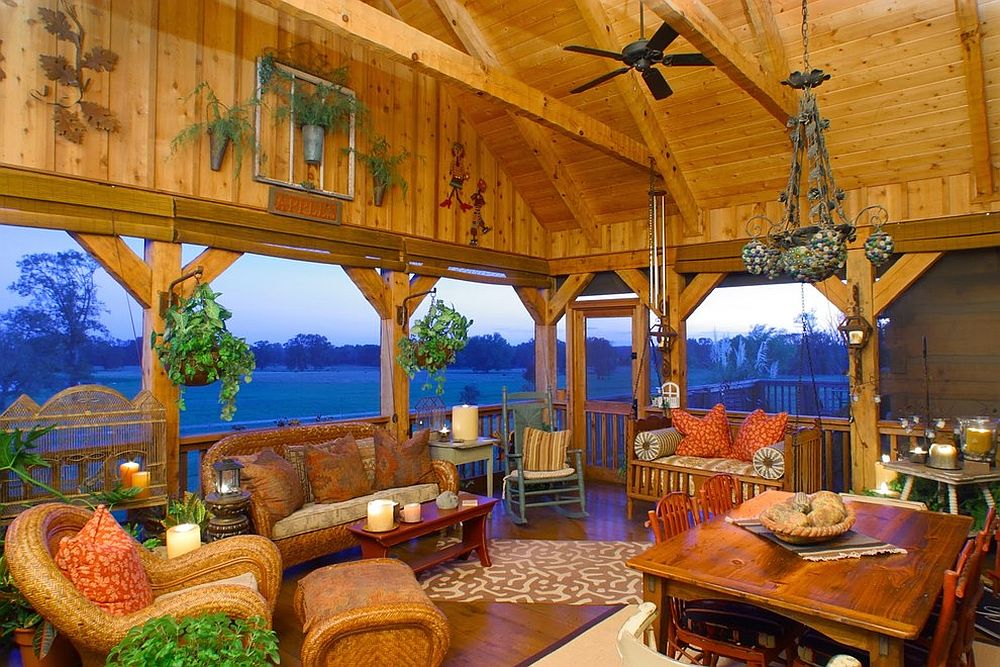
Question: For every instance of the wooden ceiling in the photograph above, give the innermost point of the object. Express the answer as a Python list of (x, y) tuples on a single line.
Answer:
[(901, 101)]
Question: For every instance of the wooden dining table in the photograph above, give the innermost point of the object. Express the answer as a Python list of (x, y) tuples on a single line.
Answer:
[(873, 603)]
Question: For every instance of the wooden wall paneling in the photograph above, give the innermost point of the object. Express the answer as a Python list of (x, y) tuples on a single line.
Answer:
[(26, 134), (425, 160), (487, 170), (257, 30), (448, 134), (960, 193), (219, 62), (925, 198), (177, 73), (131, 150), (404, 114)]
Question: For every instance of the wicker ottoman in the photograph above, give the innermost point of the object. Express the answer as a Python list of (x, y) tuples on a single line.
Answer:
[(369, 613)]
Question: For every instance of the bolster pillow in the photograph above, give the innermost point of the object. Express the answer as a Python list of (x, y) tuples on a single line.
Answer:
[(769, 462), (650, 445)]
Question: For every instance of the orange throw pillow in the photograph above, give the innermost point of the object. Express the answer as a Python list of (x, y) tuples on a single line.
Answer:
[(708, 437), (336, 473), (272, 481), (402, 464), (757, 431), (102, 561)]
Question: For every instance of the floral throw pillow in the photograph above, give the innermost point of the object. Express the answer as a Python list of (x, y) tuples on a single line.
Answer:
[(336, 473), (402, 464), (757, 431), (707, 437), (102, 561)]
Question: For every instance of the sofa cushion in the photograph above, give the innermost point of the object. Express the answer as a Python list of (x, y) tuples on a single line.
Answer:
[(402, 464), (545, 450), (715, 465), (758, 430), (708, 436), (316, 516), (336, 473), (769, 462), (272, 481), (246, 579), (650, 445), (102, 562)]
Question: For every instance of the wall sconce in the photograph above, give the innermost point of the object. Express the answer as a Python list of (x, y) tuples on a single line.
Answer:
[(662, 335), (854, 328)]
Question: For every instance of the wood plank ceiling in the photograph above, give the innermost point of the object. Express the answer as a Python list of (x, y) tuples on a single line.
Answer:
[(898, 100)]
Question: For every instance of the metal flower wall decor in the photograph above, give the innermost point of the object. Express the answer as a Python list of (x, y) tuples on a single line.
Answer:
[(813, 251)]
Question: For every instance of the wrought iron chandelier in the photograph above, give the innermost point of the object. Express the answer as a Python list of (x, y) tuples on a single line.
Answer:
[(813, 251)]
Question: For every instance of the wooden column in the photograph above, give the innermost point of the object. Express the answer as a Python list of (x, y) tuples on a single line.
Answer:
[(546, 347), (576, 373), (640, 345), (865, 446), (164, 261)]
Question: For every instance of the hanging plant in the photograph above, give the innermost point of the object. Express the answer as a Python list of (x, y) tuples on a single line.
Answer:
[(195, 348), (224, 124), (383, 165), (433, 342)]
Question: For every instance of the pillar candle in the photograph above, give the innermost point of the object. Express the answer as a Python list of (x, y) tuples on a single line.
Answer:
[(465, 422), (978, 440), (126, 470), (380, 515), (141, 479), (183, 538), (411, 512)]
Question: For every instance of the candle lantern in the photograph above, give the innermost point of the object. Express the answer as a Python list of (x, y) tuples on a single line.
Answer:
[(943, 456), (227, 477), (978, 438)]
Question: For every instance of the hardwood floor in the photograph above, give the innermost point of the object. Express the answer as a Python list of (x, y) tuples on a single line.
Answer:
[(497, 634)]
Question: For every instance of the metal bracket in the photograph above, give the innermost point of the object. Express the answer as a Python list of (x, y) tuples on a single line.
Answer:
[(167, 298), (401, 314)]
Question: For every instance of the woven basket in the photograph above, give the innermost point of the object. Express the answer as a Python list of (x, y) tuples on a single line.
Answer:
[(809, 534)]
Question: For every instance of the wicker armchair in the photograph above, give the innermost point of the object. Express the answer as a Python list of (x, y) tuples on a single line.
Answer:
[(34, 535)]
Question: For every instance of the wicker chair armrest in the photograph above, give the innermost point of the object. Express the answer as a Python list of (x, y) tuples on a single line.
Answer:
[(218, 560), (447, 475)]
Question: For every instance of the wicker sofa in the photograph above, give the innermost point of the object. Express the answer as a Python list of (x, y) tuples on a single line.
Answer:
[(797, 466), (317, 529)]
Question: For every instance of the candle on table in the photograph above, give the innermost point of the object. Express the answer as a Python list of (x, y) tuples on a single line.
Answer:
[(183, 538), (444, 431), (411, 512), (126, 470), (886, 492), (380, 515), (943, 456), (882, 474), (978, 440), (141, 479), (465, 422)]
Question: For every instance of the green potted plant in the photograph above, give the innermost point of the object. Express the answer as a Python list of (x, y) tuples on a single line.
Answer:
[(206, 639), (37, 640), (224, 124), (191, 509), (433, 342), (383, 165), (196, 348)]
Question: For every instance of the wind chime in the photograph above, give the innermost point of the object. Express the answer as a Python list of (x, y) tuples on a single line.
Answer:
[(661, 335)]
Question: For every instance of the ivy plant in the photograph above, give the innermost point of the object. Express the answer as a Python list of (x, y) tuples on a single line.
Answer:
[(433, 342), (197, 348), (208, 639)]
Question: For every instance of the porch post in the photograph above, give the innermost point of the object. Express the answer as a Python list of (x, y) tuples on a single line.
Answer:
[(866, 448)]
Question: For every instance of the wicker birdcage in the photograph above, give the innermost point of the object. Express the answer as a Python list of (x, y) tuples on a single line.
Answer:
[(429, 412), (95, 430)]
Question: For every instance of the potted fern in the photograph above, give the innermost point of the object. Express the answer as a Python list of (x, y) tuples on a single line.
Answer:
[(433, 342), (196, 348), (224, 124), (383, 165)]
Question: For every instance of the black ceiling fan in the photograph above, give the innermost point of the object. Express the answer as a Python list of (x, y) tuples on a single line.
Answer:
[(643, 54)]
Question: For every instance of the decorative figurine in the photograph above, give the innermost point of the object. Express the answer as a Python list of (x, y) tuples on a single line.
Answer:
[(459, 175), (478, 201)]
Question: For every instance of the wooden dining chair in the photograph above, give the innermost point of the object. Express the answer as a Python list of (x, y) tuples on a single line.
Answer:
[(719, 494), (672, 515)]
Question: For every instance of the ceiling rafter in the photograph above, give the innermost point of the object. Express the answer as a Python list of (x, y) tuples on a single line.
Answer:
[(770, 47), (548, 157), (970, 33), (403, 43), (602, 31), (706, 32)]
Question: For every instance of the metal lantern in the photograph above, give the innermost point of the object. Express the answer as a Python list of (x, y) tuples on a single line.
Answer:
[(855, 330), (227, 477), (662, 335)]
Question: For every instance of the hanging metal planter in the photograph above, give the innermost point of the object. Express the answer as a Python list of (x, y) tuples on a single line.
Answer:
[(378, 193), (217, 145), (312, 143)]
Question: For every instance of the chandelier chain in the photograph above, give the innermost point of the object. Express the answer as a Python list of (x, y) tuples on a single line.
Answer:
[(805, 36)]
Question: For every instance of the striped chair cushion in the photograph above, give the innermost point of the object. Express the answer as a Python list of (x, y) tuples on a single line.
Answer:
[(545, 450)]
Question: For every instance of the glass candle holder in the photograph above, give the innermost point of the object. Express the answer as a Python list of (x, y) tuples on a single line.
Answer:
[(978, 438)]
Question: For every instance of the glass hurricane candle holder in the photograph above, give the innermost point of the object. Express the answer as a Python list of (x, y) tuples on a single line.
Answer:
[(978, 438)]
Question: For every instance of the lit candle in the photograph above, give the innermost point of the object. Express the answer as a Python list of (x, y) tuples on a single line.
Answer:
[(380, 515), (411, 512), (465, 422), (855, 337), (183, 538), (882, 475), (886, 492), (944, 456), (978, 440), (444, 431), (141, 479), (126, 470)]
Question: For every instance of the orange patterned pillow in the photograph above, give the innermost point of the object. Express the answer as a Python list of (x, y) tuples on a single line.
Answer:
[(708, 436), (336, 473), (273, 482), (757, 431), (402, 463), (102, 561)]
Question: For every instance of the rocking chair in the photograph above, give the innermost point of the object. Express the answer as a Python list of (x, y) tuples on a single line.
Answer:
[(540, 469)]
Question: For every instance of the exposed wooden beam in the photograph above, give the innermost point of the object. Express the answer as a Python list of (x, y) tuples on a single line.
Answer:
[(696, 291), (213, 263), (770, 47), (535, 302), (703, 29), (638, 282), (371, 285), (638, 103), (126, 267), (900, 276), (836, 292), (569, 290), (475, 43), (971, 35), (419, 288), (399, 42)]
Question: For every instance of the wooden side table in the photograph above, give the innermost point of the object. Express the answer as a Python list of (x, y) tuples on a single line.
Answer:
[(468, 451), (951, 478)]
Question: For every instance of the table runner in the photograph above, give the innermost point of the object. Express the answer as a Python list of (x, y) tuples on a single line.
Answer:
[(848, 545)]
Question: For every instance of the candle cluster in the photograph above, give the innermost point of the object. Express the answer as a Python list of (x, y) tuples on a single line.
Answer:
[(130, 475)]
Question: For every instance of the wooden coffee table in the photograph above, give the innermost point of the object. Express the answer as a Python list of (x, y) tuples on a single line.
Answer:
[(433, 519)]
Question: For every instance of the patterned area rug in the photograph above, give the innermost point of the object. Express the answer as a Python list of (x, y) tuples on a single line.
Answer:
[(575, 572)]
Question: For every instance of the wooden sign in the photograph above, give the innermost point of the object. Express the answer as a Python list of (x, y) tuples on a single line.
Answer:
[(308, 207)]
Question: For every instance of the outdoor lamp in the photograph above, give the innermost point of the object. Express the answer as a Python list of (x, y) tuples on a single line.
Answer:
[(227, 477), (854, 328), (663, 335)]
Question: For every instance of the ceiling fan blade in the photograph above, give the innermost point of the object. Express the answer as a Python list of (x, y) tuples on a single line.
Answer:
[(662, 38), (656, 84), (601, 79), (592, 51), (686, 59)]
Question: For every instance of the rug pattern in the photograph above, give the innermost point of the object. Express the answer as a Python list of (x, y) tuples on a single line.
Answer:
[(576, 572)]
